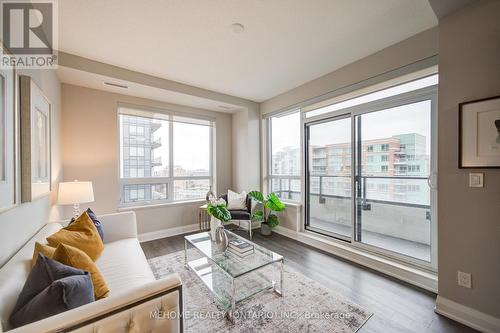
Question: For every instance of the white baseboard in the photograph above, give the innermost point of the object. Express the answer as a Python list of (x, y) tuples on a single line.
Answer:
[(414, 276), (468, 316), (149, 236)]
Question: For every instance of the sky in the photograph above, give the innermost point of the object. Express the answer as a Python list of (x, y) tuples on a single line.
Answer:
[(411, 118), (191, 145)]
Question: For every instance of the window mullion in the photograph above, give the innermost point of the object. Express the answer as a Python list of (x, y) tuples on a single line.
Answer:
[(171, 159)]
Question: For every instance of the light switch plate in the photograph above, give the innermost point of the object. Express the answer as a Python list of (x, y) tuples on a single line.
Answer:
[(476, 179)]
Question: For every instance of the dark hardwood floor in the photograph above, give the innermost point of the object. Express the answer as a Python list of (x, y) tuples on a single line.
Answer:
[(397, 306)]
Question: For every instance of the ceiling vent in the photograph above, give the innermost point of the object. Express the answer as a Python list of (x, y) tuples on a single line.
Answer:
[(116, 85)]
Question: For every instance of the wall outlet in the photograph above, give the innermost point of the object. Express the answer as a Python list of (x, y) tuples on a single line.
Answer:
[(464, 279)]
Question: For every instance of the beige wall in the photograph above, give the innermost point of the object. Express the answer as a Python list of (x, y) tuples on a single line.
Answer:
[(246, 150), (22, 222), (418, 47), (90, 152), (469, 218), (240, 145)]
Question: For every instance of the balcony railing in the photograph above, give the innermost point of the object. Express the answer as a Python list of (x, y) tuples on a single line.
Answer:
[(321, 190)]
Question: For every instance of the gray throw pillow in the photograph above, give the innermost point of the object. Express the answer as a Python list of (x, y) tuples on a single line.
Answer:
[(64, 294), (41, 276)]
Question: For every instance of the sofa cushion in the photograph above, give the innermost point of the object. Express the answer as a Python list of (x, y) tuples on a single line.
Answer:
[(96, 221), (236, 201), (81, 234), (124, 265), (61, 295), (43, 273), (74, 257), (44, 249), (14, 273), (239, 215)]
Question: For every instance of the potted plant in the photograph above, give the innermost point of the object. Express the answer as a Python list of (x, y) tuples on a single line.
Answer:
[(270, 204), (217, 209)]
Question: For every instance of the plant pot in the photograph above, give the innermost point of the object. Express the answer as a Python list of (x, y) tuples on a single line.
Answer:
[(265, 230)]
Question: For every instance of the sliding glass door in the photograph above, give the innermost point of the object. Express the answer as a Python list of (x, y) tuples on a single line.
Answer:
[(393, 199), (329, 180), (369, 167)]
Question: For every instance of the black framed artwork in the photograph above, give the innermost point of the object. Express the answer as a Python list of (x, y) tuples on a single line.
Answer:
[(479, 133)]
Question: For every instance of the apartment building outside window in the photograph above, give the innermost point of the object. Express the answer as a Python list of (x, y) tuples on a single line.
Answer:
[(285, 158), (163, 157)]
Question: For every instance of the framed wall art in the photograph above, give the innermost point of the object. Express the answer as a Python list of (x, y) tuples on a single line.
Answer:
[(35, 141), (480, 133), (7, 137)]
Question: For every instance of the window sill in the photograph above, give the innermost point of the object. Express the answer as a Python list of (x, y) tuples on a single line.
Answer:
[(292, 203), (166, 204), (416, 276)]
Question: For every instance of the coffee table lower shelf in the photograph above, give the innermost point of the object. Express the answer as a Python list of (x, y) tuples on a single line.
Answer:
[(230, 291)]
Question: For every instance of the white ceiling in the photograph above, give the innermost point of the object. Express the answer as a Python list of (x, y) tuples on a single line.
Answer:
[(96, 81), (285, 43)]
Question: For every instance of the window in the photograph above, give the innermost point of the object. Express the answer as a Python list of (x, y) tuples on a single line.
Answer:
[(384, 158), (163, 157), (284, 159), (369, 148), (384, 147), (384, 168)]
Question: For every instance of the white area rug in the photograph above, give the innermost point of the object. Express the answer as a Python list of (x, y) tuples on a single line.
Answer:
[(306, 306)]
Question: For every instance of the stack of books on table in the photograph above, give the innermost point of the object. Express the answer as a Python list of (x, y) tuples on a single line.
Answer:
[(240, 248)]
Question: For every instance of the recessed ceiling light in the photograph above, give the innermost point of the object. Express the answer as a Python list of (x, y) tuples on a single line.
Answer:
[(116, 85), (237, 28)]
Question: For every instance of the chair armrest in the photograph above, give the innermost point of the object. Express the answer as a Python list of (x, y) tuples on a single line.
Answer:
[(130, 303), (118, 226)]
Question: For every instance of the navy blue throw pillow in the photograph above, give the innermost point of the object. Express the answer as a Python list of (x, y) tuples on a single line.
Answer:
[(61, 295), (94, 219), (41, 276)]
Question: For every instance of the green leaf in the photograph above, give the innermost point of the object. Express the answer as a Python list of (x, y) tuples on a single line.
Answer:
[(258, 216), (272, 221), (256, 195), (274, 203), (219, 212)]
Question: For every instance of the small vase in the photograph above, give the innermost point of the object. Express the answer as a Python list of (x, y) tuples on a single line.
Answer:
[(210, 195), (221, 239), (214, 223)]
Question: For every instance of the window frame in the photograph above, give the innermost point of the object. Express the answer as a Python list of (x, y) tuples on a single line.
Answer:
[(169, 117), (269, 157), (418, 95)]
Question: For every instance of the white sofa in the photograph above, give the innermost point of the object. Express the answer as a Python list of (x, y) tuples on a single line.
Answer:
[(134, 295)]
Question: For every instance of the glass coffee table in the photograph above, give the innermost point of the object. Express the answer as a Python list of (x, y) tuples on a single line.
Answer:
[(231, 278)]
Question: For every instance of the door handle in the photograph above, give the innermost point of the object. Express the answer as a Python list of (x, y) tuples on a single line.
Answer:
[(431, 180)]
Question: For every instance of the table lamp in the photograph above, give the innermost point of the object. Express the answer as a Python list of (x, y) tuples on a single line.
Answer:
[(74, 193)]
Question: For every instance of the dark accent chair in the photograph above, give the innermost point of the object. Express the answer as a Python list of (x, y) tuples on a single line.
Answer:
[(238, 215)]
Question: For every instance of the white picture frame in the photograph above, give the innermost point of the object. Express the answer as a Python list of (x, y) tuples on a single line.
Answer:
[(479, 140), (7, 136), (35, 141)]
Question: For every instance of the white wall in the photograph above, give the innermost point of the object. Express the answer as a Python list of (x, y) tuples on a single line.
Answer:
[(90, 152), (19, 224)]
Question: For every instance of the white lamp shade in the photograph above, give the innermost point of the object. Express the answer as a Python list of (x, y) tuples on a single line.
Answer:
[(75, 193)]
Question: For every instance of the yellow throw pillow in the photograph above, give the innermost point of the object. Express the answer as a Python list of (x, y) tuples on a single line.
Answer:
[(76, 258), (44, 249), (81, 234)]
